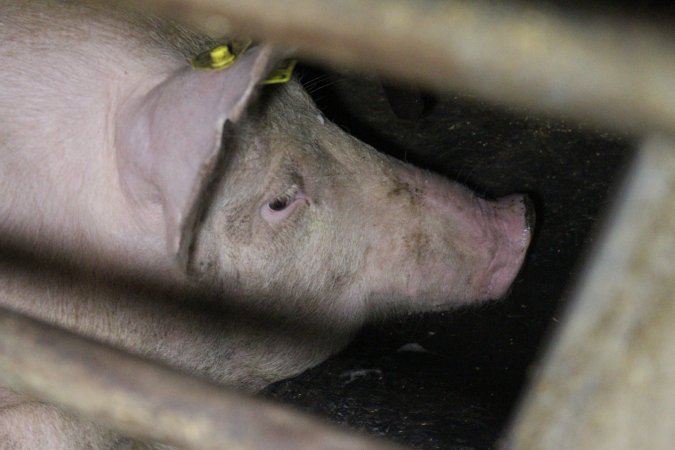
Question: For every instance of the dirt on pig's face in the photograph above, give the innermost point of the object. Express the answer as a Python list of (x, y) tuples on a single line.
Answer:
[(305, 219)]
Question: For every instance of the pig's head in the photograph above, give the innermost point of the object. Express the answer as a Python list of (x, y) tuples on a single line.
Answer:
[(291, 211)]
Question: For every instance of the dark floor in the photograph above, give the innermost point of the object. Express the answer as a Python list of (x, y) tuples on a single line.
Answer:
[(451, 380)]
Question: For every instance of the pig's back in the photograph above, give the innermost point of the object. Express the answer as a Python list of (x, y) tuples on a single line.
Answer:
[(64, 68)]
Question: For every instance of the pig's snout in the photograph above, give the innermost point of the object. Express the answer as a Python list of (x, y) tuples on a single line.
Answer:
[(511, 220), (474, 248)]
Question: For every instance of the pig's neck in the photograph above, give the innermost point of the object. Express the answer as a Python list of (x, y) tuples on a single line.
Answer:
[(62, 179)]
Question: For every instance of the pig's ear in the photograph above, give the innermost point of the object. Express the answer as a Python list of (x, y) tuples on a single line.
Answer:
[(168, 138)]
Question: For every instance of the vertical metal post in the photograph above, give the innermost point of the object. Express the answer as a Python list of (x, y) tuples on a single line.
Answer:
[(608, 382)]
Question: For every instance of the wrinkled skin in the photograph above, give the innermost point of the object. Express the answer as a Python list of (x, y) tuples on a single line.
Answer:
[(245, 260)]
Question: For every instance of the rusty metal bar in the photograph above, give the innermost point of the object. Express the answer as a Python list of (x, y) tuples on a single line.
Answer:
[(608, 382), (151, 401), (613, 73)]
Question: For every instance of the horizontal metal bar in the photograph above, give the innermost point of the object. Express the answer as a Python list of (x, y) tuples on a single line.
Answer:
[(148, 400), (612, 72)]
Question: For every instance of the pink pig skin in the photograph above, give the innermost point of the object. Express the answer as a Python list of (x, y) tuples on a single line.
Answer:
[(196, 219)]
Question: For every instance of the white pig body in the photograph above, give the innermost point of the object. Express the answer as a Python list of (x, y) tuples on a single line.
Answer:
[(127, 215)]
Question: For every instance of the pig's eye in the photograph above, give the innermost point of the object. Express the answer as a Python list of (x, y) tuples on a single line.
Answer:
[(282, 206), (279, 203)]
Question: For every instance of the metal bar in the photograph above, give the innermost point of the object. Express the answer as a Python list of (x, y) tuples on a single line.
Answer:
[(614, 73), (608, 382), (148, 400)]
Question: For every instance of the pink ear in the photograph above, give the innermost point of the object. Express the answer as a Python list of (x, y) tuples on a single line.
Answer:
[(168, 138)]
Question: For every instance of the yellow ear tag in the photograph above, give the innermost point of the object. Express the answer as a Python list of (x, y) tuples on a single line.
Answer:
[(282, 74), (222, 56)]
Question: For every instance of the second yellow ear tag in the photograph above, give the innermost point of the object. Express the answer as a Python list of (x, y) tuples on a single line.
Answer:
[(282, 74)]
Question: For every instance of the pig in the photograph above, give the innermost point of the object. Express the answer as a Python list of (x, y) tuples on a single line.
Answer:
[(198, 219)]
